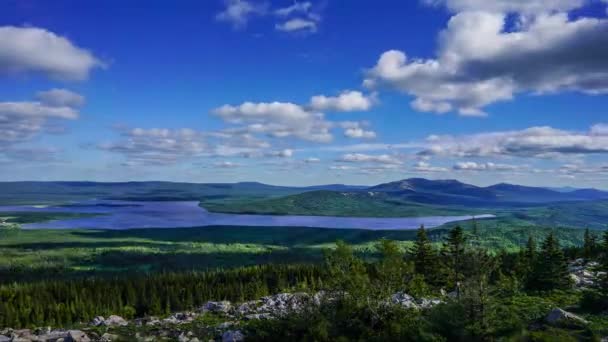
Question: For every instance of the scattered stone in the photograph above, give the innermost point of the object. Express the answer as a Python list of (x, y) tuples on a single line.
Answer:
[(77, 336), (4, 338), (258, 316), (107, 337), (427, 303), (233, 336), (562, 317), (404, 299), (115, 320), (97, 321), (217, 307), (225, 325)]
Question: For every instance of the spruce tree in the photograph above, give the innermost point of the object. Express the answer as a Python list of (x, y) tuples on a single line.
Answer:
[(452, 254), (551, 271), (424, 256), (589, 245), (528, 263)]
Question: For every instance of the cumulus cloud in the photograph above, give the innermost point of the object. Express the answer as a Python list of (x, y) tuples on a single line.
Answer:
[(531, 142), (157, 146), (297, 7), (278, 119), (425, 167), (353, 129), (298, 18), (359, 133), (340, 167), (22, 121), (573, 169), (489, 166), (508, 6), (226, 165), (26, 50), (481, 61), (285, 153), (368, 158), (347, 101), (60, 98), (238, 12), (297, 25)]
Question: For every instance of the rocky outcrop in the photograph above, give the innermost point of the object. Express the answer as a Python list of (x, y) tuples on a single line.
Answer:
[(233, 336), (559, 317), (584, 275), (173, 326), (405, 300), (47, 335), (217, 307), (77, 336), (112, 321)]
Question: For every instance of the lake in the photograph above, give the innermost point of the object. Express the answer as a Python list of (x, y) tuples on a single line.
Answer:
[(175, 214)]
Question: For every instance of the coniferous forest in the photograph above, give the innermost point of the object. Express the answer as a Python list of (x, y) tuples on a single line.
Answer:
[(483, 295)]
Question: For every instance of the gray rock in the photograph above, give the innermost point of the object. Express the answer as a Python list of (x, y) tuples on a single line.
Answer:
[(77, 336), (264, 315), (97, 321), (404, 299), (114, 321), (4, 338), (233, 336), (427, 303), (560, 317), (225, 325), (53, 335), (107, 337), (217, 307)]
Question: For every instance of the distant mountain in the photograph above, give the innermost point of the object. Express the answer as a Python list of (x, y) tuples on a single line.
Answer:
[(562, 189), (422, 185), (455, 192), (414, 190)]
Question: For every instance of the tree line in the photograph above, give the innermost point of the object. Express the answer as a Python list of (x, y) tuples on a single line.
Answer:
[(486, 295)]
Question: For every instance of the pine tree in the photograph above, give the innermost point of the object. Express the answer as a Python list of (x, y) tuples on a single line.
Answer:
[(391, 269), (453, 253), (589, 245), (551, 271), (604, 267), (528, 263), (424, 256)]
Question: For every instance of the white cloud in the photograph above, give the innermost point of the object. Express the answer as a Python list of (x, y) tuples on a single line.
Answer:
[(347, 101), (340, 167), (312, 160), (278, 119), (285, 153), (297, 25), (60, 98), (367, 158), (531, 142), (425, 167), (509, 6), (359, 133), (353, 129), (480, 61), (158, 146), (22, 121), (226, 165), (34, 50), (489, 166), (297, 7), (572, 169), (238, 12)]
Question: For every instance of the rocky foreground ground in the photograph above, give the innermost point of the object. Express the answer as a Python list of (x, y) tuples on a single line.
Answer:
[(225, 321)]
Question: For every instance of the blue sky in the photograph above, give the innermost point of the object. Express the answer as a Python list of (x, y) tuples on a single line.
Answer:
[(305, 92)]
